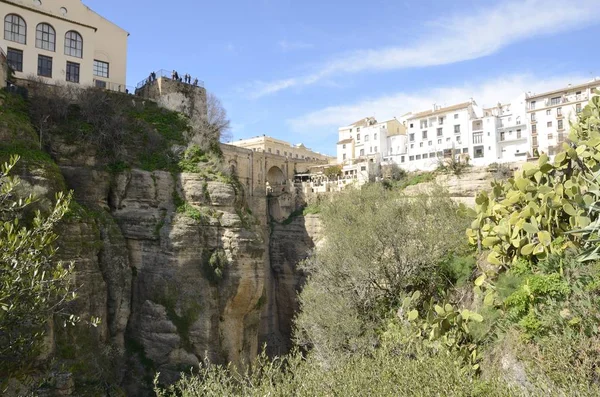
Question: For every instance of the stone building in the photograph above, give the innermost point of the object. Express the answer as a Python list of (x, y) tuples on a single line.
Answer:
[(63, 41), (271, 145)]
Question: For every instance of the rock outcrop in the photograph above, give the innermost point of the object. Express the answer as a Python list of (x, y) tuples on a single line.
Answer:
[(179, 267), (290, 243)]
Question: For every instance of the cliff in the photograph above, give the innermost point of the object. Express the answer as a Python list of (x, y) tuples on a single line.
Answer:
[(169, 251)]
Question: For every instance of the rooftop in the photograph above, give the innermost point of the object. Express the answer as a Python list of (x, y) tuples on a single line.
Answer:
[(344, 141), (594, 83), (440, 110), (263, 138), (367, 121)]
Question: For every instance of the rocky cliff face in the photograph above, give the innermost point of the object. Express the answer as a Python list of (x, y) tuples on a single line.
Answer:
[(174, 282), (464, 187), (179, 266), (290, 243)]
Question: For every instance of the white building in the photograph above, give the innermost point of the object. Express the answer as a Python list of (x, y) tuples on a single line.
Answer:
[(366, 139), (500, 134), (549, 114), (439, 132), (508, 132)]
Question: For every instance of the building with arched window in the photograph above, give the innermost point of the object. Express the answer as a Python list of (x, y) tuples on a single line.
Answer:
[(63, 41)]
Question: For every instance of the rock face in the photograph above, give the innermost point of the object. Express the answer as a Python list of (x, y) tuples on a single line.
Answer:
[(462, 188), (290, 243), (174, 265), (179, 267)]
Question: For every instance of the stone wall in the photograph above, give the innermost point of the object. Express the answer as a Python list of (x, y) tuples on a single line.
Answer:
[(180, 97)]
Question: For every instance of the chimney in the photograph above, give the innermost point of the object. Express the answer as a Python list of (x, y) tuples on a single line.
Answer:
[(434, 107)]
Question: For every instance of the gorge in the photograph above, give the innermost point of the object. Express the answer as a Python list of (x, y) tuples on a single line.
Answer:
[(179, 266)]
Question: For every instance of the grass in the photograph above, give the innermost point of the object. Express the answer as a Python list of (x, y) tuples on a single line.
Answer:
[(310, 209), (415, 179)]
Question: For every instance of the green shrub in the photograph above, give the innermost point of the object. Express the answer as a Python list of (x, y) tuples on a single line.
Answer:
[(392, 371), (379, 245), (33, 285)]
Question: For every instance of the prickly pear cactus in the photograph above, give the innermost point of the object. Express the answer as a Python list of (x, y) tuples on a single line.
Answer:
[(522, 216)]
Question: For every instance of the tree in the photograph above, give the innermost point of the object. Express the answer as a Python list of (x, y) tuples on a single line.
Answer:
[(215, 127), (333, 172), (33, 286)]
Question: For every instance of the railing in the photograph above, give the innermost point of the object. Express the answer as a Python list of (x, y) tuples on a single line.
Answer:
[(109, 85), (550, 102), (166, 74)]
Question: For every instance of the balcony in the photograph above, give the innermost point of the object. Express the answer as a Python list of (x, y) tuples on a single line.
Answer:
[(550, 102), (520, 126)]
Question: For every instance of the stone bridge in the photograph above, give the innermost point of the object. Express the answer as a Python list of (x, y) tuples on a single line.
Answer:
[(263, 173)]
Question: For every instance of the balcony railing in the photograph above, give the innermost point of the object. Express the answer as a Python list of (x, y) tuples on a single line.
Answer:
[(550, 102), (166, 74), (111, 86)]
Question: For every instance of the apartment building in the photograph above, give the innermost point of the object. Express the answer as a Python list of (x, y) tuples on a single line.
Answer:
[(500, 134), (366, 139), (271, 145), (63, 41), (438, 133), (549, 114)]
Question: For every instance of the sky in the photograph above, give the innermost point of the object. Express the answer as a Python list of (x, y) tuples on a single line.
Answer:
[(299, 70)]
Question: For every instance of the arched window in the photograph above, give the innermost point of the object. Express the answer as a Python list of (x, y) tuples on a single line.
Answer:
[(518, 120), (73, 44), (15, 29), (45, 37)]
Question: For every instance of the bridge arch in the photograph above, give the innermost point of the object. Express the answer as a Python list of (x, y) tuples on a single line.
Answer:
[(275, 176)]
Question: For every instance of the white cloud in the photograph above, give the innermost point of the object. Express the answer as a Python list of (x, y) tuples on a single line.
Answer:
[(487, 93), (286, 45), (458, 38)]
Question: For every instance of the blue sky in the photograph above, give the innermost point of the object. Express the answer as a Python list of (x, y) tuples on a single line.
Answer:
[(297, 70)]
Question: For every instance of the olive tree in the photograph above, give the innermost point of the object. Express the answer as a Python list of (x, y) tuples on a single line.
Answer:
[(33, 286)]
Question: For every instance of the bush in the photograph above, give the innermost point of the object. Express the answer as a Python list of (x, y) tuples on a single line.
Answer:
[(33, 286), (379, 244), (390, 371)]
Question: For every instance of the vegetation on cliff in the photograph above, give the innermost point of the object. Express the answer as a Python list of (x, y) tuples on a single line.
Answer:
[(33, 285), (397, 303)]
